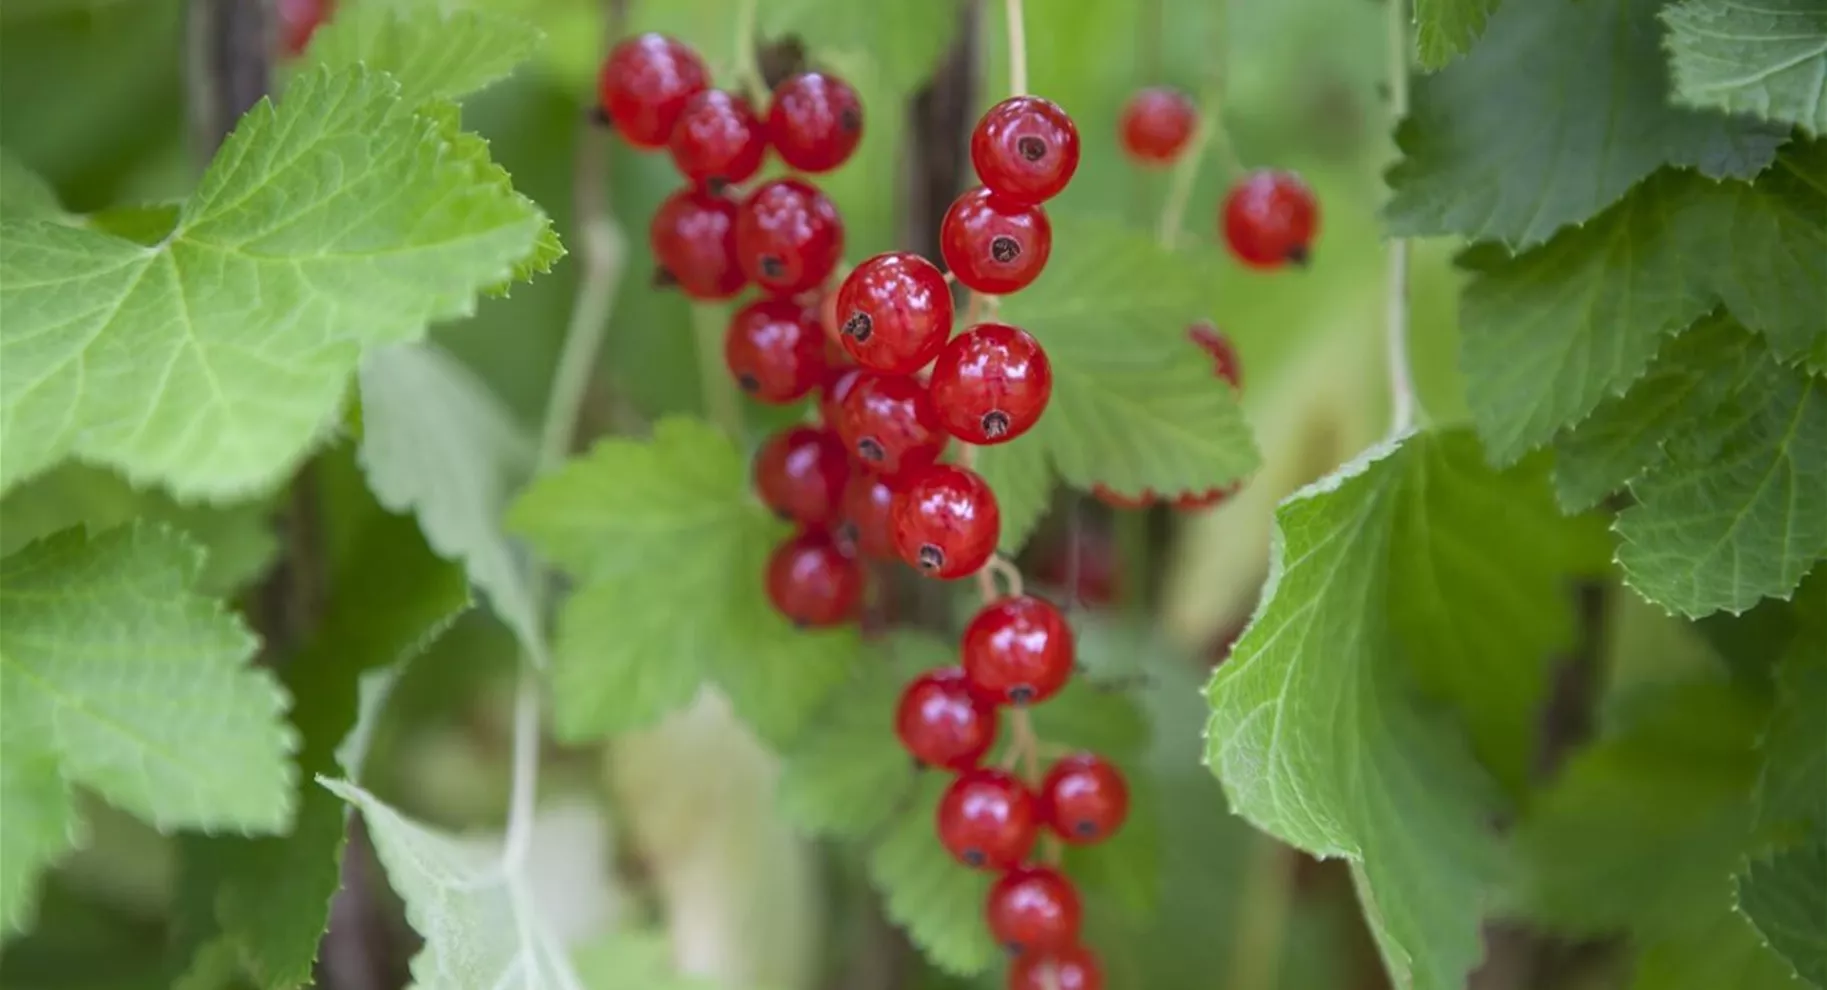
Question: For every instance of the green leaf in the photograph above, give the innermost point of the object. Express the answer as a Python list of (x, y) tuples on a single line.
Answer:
[(1793, 784), (1444, 29), (1557, 112), (115, 676), (1768, 58), (1408, 563), (634, 960), (1785, 896), (669, 548), (434, 54), (23, 195), (213, 361), (1722, 950), (1135, 404)]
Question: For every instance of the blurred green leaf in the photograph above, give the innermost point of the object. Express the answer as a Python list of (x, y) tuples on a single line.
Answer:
[(1721, 950), (1444, 29), (434, 54), (1785, 896), (1768, 58), (1793, 784), (634, 960)]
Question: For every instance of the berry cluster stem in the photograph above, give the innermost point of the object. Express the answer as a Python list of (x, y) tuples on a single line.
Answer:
[(748, 72), (1401, 384), (1018, 48)]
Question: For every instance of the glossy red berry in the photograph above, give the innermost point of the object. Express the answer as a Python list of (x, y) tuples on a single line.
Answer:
[(894, 312), (941, 723), (1124, 503), (1211, 498), (812, 582), (718, 138), (775, 350), (889, 425), (1084, 798), (1226, 363), (987, 819), (815, 121), (1156, 125), (298, 21), (1270, 219), (865, 517), (946, 522), (838, 383), (801, 472), (991, 383), (1075, 968), (693, 235), (1033, 910), (1018, 650), (994, 245), (788, 236), (1025, 148), (645, 84)]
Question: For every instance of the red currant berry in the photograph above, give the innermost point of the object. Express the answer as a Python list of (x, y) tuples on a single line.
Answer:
[(1084, 798), (1025, 148), (1211, 498), (815, 121), (946, 522), (800, 473), (788, 236), (1033, 910), (987, 819), (1018, 650), (942, 723), (645, 85), (1068, 969), (894, 313), (298, 21), (1157, 124), (1124, 503), (718, 139), (1224, 353), (775, 350), (991, 384), (812, 583), (693, 235), (866, 522), (1270, 219), (838, 383), (889, 425), (994, 245)]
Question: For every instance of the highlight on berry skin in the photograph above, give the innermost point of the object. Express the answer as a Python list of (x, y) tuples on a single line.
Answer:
[(1157, 125), (894, 313), (946, 522), (645, 85), (1025, 149), (815, 121), (993, 244)]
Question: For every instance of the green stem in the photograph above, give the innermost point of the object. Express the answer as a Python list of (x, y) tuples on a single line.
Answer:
[(720, 404), (1210, 133), (1267, 895), (1401, 381)]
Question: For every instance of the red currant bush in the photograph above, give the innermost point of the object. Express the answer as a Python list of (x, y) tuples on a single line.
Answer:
[(815, 121), (1033, 910), (987, 819), (788, 236), (693, 234), (718, 139), (1270, 219), (298, 21), (775, 350), (645, 84), (1025, 148), (1156, 125), (812, 582), (1018, 650), (941, 723), (1226, 364), (1084, 798), (946, 522), (894, 313), (801, 472), (993, 244), (991, 383), (890, 426), (865, 517), (1068, 969)]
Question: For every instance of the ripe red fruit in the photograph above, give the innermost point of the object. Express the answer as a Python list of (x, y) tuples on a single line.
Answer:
[(1270, 219), (815, 121), (991, 383), (775, 350), (1226, 363), (812, 583), (800, 473), (788, 236), (838, 383), (645, 84), (894, 312), (942, 723), (946, 522), (987, 819), (1124, 503), (1084, 798), (866, 517), (693, 234), (992, 244), (1033, 910), (718, 138), (1208, 499), (298, 21), (1068, 969), (889, 425), (1157, 123), (1025, 148), (1018, 650)]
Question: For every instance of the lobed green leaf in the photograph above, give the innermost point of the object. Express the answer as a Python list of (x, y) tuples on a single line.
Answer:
[(1767, 58)]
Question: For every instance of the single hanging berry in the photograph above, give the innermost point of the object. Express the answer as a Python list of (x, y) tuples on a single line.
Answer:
[(865, 517), (693, 235), (298, 21), (815, 121), (1074, 968), (894, 313), (941, 723), (1156, 125), (645, 84), (1033, 910), (992, 244), (775, 350), (1084, 798), (991, 383), (1018, 650), (946, 522), (889, 425), (801, 472), (1025, 148), (718, 139), (1270, 219), (987, 819), (788, 236), (1226, 363), (812, 583)]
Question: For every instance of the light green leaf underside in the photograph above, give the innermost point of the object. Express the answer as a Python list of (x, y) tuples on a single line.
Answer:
[(1785, 896), (1766, 57), (1444, 29), (1559, 109)]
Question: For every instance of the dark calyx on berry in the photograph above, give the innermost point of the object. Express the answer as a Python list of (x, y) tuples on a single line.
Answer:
[(1005, 248), (995, 424), (858, 327), (870, 449)]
